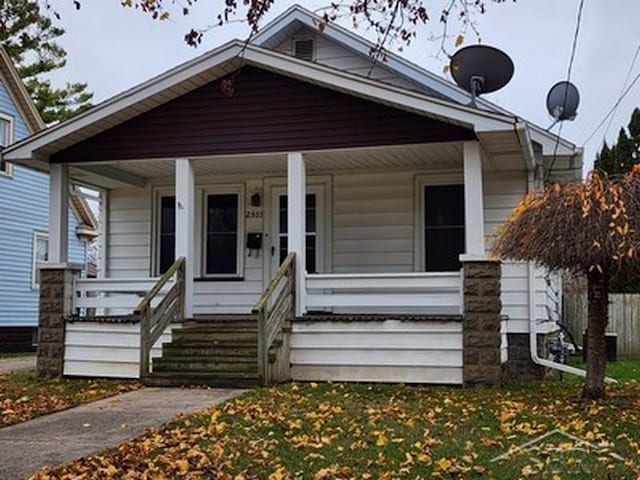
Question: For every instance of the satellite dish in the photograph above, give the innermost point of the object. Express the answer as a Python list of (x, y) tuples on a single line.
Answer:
[(481, 69), (562, 101)]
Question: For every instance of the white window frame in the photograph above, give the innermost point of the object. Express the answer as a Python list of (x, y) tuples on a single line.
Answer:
[(37, 235), (421, 181), (239, 190), (8, 170)]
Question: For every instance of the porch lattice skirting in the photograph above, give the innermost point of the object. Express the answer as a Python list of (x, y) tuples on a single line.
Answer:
[(481, 324), (56, 303)]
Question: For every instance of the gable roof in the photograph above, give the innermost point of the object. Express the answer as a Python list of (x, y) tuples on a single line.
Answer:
[(297, 16), (224, 60), (19, 93)]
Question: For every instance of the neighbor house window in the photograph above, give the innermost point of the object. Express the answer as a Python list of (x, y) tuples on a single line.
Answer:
[(6, 138), (222, 234), (444, 238), (40, 254), (166, 232)]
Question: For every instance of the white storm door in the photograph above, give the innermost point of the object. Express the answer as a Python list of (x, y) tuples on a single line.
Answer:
[(314, 235)]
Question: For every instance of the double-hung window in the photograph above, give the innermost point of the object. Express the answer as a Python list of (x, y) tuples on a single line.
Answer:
[(222, 234), (6, 138), (166, 232), (443, 236), (220, 242), (40, 254)]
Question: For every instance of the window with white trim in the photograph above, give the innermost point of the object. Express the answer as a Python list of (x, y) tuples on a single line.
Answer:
[(6, 138), (223, 233), (166, 251), (40, 254), (443, 223)]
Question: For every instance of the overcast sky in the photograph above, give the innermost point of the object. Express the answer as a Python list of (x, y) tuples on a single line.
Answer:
[(113, 48)]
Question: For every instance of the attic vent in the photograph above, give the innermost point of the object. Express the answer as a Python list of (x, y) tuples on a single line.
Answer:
[(303, 49)]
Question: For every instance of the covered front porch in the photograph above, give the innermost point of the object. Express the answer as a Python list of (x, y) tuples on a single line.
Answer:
[(360, 246), (371, 236)]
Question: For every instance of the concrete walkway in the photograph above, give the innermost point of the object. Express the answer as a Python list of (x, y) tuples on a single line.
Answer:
[(77, 432), (11, 364)]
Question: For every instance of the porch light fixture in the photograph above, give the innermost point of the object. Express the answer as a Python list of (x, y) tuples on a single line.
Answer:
[(256, 201)]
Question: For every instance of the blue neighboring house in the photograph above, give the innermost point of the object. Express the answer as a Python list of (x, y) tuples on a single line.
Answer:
[(24, 212)]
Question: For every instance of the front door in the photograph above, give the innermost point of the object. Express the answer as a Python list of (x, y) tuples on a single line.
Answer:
[(280, 234)]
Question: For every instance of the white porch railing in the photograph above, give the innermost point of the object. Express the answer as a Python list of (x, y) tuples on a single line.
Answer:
[(426, 292), (112, 296)]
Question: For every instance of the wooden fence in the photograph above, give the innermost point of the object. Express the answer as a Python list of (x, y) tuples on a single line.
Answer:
[(624, 319)]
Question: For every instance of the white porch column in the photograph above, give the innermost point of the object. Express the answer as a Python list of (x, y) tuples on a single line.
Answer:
[(185, 226), (473, 200), (58, 213), (296, 206)]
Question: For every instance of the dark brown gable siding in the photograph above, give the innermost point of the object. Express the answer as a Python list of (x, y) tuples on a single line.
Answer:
[(266, 113)]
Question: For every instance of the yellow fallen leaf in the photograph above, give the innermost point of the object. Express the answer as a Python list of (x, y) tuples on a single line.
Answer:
[(381, 441)]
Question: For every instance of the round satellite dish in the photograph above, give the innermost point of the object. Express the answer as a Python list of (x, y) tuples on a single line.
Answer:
[(563, 100), (481, 69)]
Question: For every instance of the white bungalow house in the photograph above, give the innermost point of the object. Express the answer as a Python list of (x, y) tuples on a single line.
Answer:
[(315, 216)]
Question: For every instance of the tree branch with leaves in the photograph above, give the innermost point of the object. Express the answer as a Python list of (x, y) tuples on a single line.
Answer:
[(29, 34), (590, 228)]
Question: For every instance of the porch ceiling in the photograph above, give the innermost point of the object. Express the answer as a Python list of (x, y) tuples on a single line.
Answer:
[(439, 156)]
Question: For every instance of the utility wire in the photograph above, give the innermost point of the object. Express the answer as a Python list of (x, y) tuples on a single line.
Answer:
[(569, 72), (612, 109), (624, 86)]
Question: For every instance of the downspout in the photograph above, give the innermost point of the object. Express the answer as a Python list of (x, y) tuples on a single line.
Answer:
[(535, 180)]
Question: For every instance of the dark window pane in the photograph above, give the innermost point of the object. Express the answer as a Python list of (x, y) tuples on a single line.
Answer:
[(444, 227), (221, 253), (310, 241), (222, 213), (167, 247), (284, 247), (443, 249), (222, 234), (444, 205)]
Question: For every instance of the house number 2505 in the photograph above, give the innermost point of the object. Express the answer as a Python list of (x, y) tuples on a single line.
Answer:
[(254, 213)]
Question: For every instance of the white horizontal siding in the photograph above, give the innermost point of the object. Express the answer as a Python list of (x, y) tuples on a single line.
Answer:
[(502, 192), (382, 351), (336, 56), (106, 349), (129, 233), (373, 222)]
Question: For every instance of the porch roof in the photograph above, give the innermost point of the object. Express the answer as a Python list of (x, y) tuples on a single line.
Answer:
[(226, 59)]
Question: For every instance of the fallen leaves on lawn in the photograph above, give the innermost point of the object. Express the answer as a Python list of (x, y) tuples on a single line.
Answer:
[(24, 396), (336, 431)]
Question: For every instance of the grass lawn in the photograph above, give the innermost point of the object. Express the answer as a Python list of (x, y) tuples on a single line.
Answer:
[(343, 431), (626, 369), (24, 395), (17, 354)]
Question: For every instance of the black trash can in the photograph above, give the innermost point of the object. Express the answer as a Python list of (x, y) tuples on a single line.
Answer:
[(611, 340)]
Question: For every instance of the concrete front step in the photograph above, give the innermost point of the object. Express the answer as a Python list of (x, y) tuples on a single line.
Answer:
[(204, 364), (220, 379), (222, 337), (221, 326), (205, 349), (228, 319)]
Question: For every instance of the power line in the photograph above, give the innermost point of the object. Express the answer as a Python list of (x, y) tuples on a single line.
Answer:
[(569, 72), (612, 109), (624, 85)]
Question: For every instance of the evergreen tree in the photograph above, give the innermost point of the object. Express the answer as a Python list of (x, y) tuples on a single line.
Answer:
[(29, 36), (615, 160), (625, 153)]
